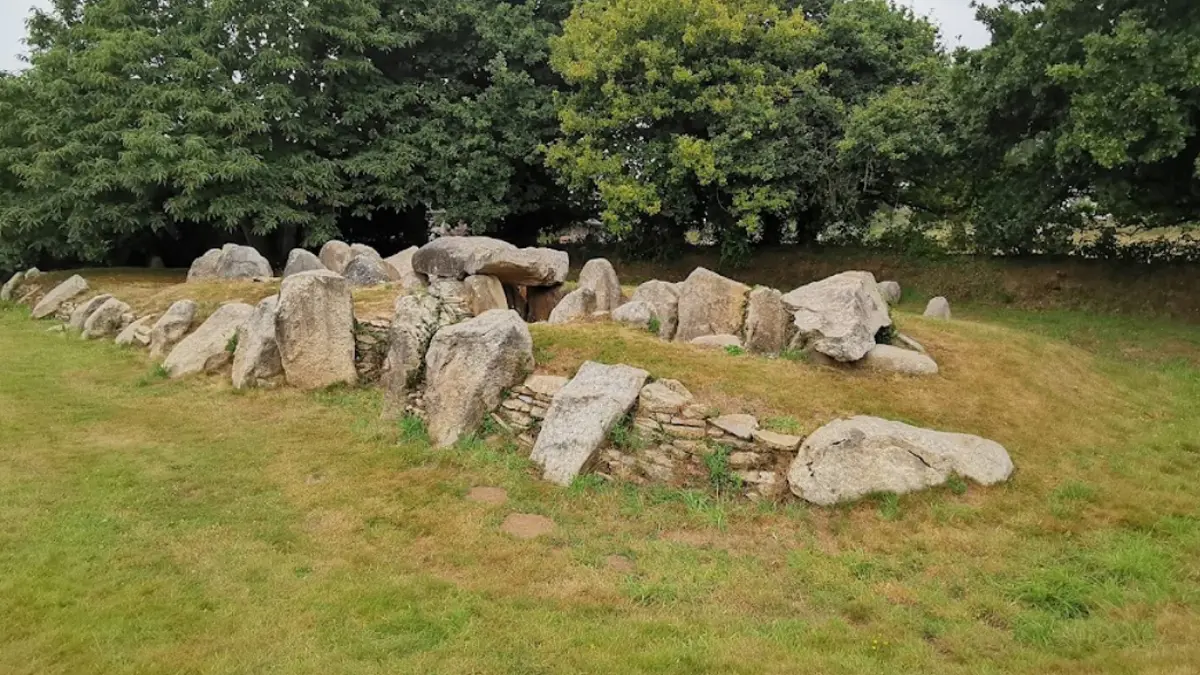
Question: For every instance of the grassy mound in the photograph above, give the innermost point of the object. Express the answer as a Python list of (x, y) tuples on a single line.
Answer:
[(165, 526)]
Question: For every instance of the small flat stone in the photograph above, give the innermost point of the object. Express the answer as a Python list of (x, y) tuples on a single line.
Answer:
[(742, 426), (777, 441), (695, 411), (683, 432), (720, 341), (527, 525), (487, 495), (545, 386)]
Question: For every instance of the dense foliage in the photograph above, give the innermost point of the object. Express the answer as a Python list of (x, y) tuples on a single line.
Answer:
[(161, 127)]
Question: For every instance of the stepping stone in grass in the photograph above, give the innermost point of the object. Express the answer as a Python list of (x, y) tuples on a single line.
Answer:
[(487, 495), (527, 525)]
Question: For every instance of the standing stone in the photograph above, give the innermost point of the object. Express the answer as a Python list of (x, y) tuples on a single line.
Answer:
[(838, 316), (580, 417), (575, 305), (889, 359), (768, 322), (137, 333), (300, 260), (710, 304), (106, 321), (205, 267), (256, 361), (58, 295), (541, 301), (636, 313), (242, 262), (83, 310), (208, 349), (314, 327), (890, 290), (483, 293), (598, 274), (367, 270), (10, 286), (664, 296), (335, 255), (403, 272), (171, 328), (413, 326), (468, 367), (938, 308), (848, 459)]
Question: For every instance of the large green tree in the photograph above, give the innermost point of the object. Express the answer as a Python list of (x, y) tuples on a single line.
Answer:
[(725, 113)]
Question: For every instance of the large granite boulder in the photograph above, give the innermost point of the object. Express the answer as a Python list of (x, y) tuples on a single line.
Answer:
[(664, 296), (256, 361), (205, 267), (710, 304), (300, 260), (137, 333), (635, 313), (484, 292), (413, 325), (598, 274), (469, 366), (838, 316), (578, 304), (580, 417), (10, 286), (242, 262), (848, 459), (83, 310), (314, 327), (768, 322), (171, 327), (367, 270), (335, 255), (938, 308), (460, 257), (208, 349), (52, 301), (403, 272), (108, 320), (890, 359)]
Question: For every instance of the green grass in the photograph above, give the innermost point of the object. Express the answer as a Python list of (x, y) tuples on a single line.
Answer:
[(158, 526)]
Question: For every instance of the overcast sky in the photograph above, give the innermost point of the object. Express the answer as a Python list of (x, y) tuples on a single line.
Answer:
[(956, 18)]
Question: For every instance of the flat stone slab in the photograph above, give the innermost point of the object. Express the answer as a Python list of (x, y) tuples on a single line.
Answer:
[(742, 426), (545, 385), (777, 441), (527, 525)]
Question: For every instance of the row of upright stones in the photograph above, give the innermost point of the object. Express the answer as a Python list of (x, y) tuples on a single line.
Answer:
[(458, 342)]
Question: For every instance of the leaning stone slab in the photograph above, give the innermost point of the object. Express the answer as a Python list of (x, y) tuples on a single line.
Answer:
[(315, 330), (468, 367), (710, 304), (768, 322), (664, 297), (61, 293), (484, 292), (889, 359), (413, 325), (300, 260), (256, 361), (83, 310), (137, 333), (10, 286), (598, 274), (580, 417), (848, 459), (170, 329), (578, 304), (838, 316), (108, 320), (207, 349)]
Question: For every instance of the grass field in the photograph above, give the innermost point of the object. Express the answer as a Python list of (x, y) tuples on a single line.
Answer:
[(152, 526)]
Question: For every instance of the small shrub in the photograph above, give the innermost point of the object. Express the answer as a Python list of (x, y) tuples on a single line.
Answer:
[(654, 326), (231, 346), (720, 476), (626, 437), (734, 350), (412, 429), (957, 484)]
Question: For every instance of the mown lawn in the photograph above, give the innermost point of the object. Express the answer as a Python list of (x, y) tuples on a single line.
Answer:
[(149, 526)]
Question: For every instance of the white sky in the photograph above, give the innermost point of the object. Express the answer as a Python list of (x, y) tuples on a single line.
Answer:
[(956, 18)]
